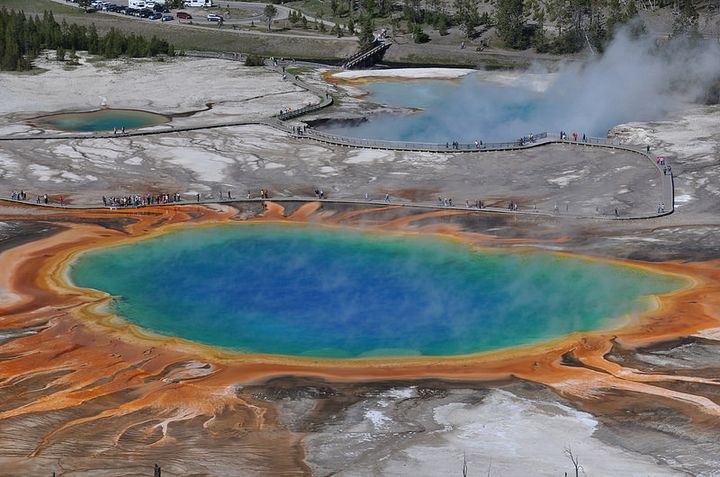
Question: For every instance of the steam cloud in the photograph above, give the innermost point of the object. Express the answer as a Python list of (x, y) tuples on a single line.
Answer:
[(633, 80)]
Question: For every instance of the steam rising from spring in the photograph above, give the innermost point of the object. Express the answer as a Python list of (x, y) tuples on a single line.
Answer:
[(634, 80)]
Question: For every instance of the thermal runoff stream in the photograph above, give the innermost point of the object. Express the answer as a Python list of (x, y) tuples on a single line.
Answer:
[(333, 293)]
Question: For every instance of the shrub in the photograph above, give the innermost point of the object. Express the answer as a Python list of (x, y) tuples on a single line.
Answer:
[(254, 60)]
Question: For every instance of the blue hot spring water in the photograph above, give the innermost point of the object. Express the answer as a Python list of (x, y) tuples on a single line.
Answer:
[(473, 109), (101, 120), (309, 291)]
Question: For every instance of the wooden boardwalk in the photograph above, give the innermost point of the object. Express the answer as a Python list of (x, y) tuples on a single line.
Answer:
[(302, 132)]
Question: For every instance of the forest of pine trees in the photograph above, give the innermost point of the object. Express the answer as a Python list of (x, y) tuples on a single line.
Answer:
[(22, 37)]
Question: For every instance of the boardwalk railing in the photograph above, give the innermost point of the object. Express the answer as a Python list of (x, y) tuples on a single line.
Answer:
[(212, 54), (326, 98), (421, 146), (360, 57)]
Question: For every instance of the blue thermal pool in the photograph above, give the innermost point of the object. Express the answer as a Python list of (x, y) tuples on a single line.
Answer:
[(480, 107), (311, 291), (101, 120)]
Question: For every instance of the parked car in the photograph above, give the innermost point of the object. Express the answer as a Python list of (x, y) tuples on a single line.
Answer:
[(155, 16), (167, 18), (161, 8), (145, 13), (214, 17), (183, 16)]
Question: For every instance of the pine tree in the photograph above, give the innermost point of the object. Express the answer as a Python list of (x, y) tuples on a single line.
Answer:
[(510, 17), (93, 40), (466, 12), (442, 26), (23, 37), (367, 33)]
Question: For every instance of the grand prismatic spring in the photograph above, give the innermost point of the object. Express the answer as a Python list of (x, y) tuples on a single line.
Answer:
[(227, 296), (304, 291)]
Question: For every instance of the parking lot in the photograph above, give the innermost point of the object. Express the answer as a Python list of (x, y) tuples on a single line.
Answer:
[(154, 10)]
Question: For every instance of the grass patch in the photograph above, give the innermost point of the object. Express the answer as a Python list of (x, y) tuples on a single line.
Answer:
[(231, 13), (299, 70), (209, 39), (39, 6)]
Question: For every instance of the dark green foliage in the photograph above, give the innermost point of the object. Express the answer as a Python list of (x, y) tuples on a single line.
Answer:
[(597, 34), (467, 16), (294, 17), (22, 37), (269, 13), (419, 36), (686, 24), (510, 18), (442, 26), (367, 35), (254, 60)]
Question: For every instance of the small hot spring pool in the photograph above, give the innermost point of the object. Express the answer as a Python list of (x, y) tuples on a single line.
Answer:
[(101, 120), (311, 291)]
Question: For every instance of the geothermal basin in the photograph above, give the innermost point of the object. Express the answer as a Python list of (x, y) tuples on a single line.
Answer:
[(324, 292), (101, 120)]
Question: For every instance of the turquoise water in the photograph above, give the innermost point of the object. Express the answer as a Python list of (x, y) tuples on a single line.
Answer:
[(304, 291), (475, 108), (102, 120)]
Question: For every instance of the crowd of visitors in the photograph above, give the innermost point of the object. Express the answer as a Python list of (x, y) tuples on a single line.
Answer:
[(39, 199), (141, 200)]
